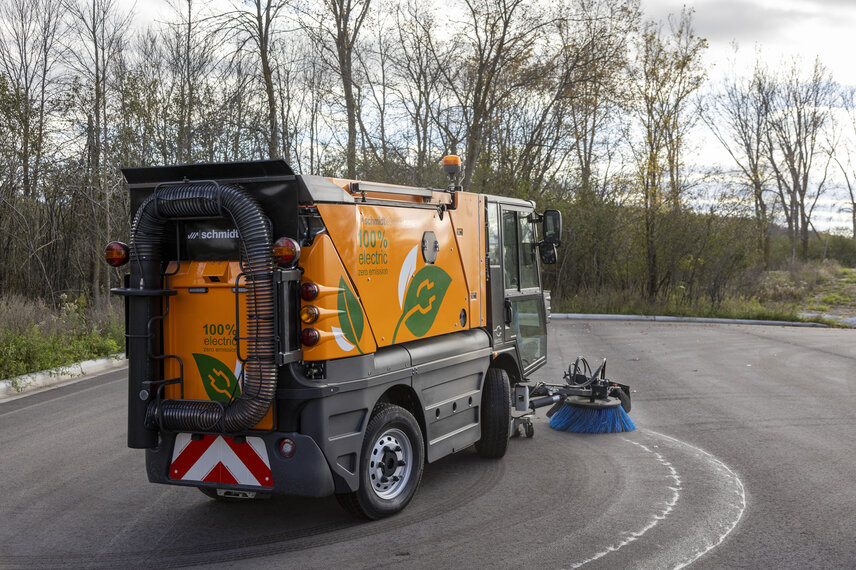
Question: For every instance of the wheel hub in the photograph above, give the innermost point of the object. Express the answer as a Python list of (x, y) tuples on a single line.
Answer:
[(390, 463)]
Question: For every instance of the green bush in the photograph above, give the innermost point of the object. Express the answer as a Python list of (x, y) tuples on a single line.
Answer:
[(831, 247), (835, 299), (36, 337)]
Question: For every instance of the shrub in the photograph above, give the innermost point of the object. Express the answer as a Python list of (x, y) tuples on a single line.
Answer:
[(36, 337)]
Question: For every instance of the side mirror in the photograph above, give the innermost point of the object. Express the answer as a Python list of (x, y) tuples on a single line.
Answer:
[(551, 223)]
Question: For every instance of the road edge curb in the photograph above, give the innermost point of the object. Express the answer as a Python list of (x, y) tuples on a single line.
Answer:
[(666, 319), (36, 381)]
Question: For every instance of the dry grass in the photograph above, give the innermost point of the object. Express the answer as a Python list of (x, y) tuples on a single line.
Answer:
[(35, 336), (805, 287)]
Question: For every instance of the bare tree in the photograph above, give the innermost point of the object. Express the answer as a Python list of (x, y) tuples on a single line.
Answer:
[(845, 155), (101, 30), (738, 119), (335, 29), (30, 33), (798, 111), (256, 24), (190, 43), (377, 61), (500, 36), (419, 75), (667, 72), (593, 65)]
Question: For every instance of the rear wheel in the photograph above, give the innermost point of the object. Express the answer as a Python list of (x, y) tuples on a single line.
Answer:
[(391, 464), (495, 414)]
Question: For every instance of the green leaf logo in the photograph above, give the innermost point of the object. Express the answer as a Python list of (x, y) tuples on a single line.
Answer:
[(220, 382), (350, 314), (422, 302)]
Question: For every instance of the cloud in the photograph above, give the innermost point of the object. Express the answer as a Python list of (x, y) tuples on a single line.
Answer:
[(756, 21), (831, 3), (745, 21)]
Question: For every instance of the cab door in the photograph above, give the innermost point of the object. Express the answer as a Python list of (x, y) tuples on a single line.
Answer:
[(521, 318)]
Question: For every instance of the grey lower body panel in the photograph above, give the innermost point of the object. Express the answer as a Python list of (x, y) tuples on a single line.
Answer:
[(443, 377), (440, 379), (448, 381), (306, 473)]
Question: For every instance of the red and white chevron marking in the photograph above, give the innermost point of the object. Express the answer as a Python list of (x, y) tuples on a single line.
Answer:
[(218, 459)]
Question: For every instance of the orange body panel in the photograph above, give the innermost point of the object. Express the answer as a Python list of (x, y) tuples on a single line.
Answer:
[(345, 331), (404, 296), (468, 221), (200, 329)]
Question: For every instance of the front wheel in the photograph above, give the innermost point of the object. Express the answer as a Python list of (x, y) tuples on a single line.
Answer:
[(495, 414), (391, 464)]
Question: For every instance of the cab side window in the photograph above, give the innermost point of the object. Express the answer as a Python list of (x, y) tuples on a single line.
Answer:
[(493, 234), (510, 249), (528, 264)]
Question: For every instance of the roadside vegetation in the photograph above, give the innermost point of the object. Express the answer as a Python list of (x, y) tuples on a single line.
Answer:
[(34, 336), (817, 290)]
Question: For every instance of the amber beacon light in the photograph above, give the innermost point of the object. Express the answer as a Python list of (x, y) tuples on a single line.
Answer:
[(452, 164)]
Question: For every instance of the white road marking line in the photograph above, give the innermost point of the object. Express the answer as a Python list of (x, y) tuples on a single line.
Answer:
[(676, 489), (741, 492), (634, 536)]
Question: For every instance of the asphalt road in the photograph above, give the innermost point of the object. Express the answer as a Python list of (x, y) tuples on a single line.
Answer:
[(743, 458)]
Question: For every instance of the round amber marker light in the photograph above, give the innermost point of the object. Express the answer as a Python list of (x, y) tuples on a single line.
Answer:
[(309, 314)]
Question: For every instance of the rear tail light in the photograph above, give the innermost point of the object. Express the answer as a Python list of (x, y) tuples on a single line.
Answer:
[(309, 314), (286, 252), (309, 291), (116, 254), (310, 337)]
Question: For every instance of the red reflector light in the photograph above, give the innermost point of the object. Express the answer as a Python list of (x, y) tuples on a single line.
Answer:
[(309, 291), (287, 447), (286, 251), (116, 254), (310, 337)]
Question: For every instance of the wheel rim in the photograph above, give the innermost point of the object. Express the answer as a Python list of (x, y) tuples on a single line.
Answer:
[(390, 463)]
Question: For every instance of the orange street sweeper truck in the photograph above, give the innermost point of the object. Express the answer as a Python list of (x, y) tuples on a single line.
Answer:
[(312, 336)]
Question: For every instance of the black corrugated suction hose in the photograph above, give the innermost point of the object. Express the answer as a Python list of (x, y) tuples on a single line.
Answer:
[(258, 343)]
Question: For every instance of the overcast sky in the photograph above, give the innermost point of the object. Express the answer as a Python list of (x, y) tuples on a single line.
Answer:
[(782, 28)]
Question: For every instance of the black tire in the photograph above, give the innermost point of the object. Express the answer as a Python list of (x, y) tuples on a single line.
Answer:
[(495, 414), (624, 398), (391, 464), (530, 429)]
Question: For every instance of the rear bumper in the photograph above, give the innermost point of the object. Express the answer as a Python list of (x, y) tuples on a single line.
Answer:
[(306, 473)]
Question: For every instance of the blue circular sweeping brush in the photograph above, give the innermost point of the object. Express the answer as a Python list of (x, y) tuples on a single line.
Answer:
[(582, 415)]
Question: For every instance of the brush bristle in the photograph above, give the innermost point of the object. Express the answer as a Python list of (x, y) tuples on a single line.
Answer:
[(592, 420)]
